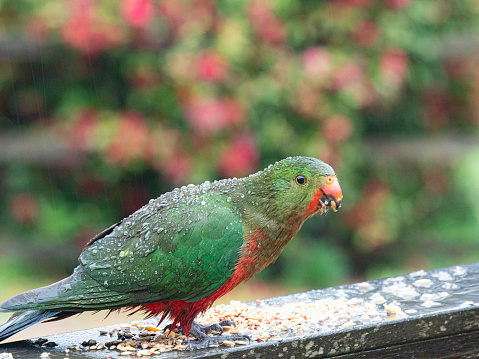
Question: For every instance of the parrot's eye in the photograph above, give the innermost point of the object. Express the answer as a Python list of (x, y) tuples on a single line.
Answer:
[(300, 180)]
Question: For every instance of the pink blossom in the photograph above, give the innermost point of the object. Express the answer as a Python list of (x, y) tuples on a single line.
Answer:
[(137, 13), (177, 167), (211, 66), (240, 158), (316, 61), (346, 75), (266, 24), (394, 66), (87, 30), (208, 115)]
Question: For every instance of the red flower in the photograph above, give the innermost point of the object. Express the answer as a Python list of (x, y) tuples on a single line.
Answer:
[(137, 13), (265, 23), (86, 30), (366, 33), (239, 159), (208, 115), (211, 66)]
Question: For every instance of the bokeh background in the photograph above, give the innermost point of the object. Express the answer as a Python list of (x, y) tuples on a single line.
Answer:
[(106, 104)]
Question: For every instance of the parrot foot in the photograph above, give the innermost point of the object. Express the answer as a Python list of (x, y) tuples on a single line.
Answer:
[(203, 340), (205, 329)]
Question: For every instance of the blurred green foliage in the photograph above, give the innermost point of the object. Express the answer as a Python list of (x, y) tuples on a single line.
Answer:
[(147, 95)]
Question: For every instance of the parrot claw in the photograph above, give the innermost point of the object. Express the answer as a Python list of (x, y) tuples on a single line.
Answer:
[(203, 340), (206, 329)]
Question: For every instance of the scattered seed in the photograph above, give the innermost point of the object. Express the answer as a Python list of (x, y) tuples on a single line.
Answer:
[(392, 308), (152, 329), (144, 352), (426, 283)]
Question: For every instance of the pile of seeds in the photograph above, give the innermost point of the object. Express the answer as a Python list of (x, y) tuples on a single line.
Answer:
[(259, 321), (273, 322), (362, 303)]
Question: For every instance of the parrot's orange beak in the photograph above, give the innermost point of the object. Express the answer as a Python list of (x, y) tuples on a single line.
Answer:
[(332, 194)]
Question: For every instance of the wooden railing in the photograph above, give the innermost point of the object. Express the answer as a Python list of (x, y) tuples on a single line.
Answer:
[(433, 314)]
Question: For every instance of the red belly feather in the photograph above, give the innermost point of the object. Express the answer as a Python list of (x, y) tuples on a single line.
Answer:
[(183, 313)]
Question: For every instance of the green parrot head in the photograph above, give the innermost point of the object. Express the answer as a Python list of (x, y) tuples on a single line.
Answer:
[(299, 187)]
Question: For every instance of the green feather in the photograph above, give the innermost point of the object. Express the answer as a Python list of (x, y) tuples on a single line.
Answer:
[(185, 244)]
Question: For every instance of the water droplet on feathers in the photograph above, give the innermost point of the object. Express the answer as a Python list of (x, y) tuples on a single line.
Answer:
[(93, 266)]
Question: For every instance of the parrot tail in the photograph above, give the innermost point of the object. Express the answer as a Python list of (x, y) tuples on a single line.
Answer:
[(23, 320)]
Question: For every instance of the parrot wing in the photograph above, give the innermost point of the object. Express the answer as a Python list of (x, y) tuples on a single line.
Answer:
[(173, 251), (180, 252)]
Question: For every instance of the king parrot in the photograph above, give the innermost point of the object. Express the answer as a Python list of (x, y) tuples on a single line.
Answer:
[(183, 250)]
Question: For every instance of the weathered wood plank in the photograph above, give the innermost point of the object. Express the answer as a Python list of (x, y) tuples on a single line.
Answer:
[(439, 319), (456, 346)]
